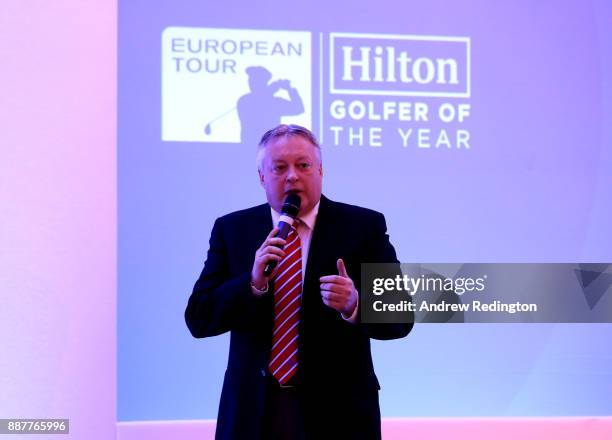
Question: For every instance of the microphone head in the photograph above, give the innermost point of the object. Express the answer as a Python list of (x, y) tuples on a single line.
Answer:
[(291, 207)]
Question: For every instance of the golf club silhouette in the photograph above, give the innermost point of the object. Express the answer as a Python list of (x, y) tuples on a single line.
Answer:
[(208, 128)]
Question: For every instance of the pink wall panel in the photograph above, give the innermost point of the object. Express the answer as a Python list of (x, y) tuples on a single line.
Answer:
[(58, 212), (536, 428)]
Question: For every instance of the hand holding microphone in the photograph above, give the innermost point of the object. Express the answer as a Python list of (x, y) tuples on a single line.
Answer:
[(271, 251)]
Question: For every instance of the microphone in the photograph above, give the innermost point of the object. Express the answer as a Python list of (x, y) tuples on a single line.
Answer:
[(289, 212)]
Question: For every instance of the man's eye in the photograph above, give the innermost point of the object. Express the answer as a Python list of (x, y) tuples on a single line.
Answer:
[(305, 165), (278, 168)]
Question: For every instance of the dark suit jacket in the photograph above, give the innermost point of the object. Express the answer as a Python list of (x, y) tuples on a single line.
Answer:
[(336, 379)]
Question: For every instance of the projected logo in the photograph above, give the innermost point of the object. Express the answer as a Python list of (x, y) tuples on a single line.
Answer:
[(374, 90), (410, 91), (231, 85), (399, 65)]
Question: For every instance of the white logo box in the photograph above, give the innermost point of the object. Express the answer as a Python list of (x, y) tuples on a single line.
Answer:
[(203, 76)]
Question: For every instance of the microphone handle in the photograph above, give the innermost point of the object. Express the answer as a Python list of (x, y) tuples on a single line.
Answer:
[(283, 232)]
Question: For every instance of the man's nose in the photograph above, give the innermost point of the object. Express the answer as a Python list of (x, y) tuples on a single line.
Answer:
[(292, 174)]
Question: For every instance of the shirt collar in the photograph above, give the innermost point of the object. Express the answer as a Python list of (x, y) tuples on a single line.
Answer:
[(309, 218)]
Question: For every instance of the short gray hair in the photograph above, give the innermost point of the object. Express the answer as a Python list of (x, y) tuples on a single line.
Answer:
[(286, 131)]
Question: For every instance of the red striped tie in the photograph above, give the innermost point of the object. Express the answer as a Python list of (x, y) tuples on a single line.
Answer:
[(287, 302)]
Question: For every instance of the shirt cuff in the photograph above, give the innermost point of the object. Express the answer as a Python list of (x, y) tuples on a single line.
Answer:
[(353, 318), (258, 292)]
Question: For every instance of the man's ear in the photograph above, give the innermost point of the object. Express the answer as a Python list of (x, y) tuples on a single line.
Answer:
[(261, 177), (321, 170)]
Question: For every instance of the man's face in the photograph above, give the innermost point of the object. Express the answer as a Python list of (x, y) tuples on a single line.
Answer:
[(290, 165)]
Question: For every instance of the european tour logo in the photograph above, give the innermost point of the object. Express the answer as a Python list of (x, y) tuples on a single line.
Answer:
[(231, 85)]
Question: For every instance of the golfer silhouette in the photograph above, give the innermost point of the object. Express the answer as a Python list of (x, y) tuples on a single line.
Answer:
[(259, 109)]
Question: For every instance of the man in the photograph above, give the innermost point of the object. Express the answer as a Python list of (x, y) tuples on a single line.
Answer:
[(299, 364)]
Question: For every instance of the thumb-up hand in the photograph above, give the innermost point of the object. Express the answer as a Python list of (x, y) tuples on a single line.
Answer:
[(338, 291)]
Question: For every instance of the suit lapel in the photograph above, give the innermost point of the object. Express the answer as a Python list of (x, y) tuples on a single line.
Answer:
[(260, 227), (322, 237)]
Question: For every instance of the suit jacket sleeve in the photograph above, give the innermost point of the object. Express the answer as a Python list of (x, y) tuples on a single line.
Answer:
[(380, 250), (220, 300)]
